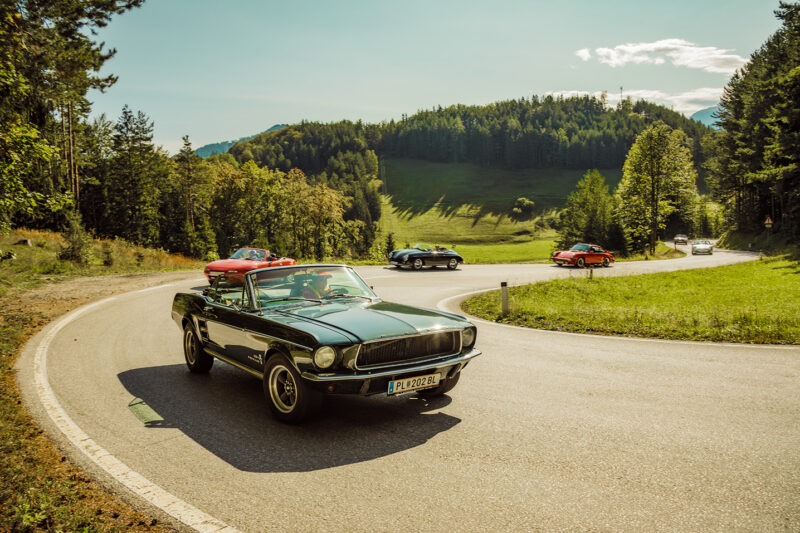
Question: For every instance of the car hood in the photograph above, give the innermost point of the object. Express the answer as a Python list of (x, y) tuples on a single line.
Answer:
[(564, 253), (233, 264), (377, 320)]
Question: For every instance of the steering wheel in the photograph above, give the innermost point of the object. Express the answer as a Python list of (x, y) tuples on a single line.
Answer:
[(333, 291)]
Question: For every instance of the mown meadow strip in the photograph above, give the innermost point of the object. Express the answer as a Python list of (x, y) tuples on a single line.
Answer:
[(754, 302)]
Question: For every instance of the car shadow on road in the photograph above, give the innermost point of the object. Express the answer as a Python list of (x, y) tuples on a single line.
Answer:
[(225, 412)]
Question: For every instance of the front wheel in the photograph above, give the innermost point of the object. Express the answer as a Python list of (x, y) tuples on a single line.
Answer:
[(452, 264), (288, 397), (417, 264), (580, 263), (197, 359), (443, 387)]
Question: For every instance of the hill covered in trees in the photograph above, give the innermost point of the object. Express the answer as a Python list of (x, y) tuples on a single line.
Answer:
[(569, 133)]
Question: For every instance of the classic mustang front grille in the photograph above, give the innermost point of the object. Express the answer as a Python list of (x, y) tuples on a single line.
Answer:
[(407, 349)]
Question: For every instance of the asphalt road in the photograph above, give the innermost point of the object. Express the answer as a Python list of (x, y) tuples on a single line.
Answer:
[(545, 431)]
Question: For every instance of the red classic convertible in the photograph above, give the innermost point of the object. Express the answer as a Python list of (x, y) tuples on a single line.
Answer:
[(244, 260), (582, 255)]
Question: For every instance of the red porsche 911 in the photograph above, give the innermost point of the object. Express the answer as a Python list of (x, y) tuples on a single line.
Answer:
[(583, 255), (244, 260)]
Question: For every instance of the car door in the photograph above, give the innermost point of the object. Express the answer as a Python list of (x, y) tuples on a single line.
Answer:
[(222, 315)]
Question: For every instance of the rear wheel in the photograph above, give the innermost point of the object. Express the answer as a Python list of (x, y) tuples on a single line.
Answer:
[(443, 387), (288, 397), (452, 264), (197, 359), (605, 261), (417, 264), (580, 263)]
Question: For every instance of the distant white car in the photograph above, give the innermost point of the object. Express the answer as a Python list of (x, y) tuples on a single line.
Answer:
[(680, 238), (702, 247)]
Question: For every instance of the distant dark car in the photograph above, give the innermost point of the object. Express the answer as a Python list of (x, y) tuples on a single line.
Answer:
[(582, 255), (311, 330), (680, 238), (422, 255), (244, 260), (702, 247)]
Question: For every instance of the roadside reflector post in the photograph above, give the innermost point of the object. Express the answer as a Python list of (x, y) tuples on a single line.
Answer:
[(504, 297), (591, 273)]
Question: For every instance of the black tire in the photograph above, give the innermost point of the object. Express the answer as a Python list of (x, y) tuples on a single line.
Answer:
[(452, 264), (197, 359), (444, 387), (606, 262), (580, 263), (417, 264), (289, 399)]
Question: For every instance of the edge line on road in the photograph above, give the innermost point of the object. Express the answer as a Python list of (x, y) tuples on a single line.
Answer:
[(130, 479)]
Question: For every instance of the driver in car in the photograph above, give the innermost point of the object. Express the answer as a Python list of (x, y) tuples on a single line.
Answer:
[(318, 287)]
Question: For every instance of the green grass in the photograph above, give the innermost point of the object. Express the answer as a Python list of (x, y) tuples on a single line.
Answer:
[(755, 302), (39, 263), (417, 186), (468, 206)]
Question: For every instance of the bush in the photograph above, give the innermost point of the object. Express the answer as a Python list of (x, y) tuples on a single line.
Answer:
[(78, 247), (108, 255)]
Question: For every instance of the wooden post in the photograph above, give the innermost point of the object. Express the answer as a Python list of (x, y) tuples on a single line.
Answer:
[(504, 297)]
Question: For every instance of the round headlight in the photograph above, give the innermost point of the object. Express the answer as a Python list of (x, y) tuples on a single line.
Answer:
[(468, 337), (324, 357)]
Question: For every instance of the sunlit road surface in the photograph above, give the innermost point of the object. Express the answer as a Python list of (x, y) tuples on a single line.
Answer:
[(545, 431)]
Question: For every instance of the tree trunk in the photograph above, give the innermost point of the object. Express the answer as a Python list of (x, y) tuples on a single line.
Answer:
[(73, 165)]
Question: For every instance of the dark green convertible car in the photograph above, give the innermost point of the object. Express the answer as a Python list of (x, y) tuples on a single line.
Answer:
[(311, 330)]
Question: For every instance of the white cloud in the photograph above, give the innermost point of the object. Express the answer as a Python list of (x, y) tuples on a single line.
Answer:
[(686, 102), (680, 52)]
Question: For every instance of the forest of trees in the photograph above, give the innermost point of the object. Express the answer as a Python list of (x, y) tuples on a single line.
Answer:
[(576, 132), (312, 189), (754, 159)]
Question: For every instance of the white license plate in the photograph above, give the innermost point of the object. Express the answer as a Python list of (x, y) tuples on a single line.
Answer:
[(411, 384)]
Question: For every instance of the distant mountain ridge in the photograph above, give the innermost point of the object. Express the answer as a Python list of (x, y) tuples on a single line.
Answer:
[(222, 147), (705, 116)]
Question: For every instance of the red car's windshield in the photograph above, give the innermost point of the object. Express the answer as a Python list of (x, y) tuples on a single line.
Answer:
[(249, 253), (580, 248)]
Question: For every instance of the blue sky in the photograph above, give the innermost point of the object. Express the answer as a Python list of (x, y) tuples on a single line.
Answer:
[(221, 70)]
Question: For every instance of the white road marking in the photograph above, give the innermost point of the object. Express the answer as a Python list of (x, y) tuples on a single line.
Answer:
[(135, 482)]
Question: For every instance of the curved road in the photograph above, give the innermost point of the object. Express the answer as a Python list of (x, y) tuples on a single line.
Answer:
[(545, 431)]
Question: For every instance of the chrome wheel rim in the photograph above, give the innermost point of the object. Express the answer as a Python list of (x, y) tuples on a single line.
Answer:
[(282, 389), (418, 263), (190, 347), (453, 263)]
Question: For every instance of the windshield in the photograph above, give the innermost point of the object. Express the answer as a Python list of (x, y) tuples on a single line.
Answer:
[(314, 283), (702, 242), (580, 248), (422, 246), (249, 253)]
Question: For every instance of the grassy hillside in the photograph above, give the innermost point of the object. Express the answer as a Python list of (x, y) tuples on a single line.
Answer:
[(416, 186), (469, 206)]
